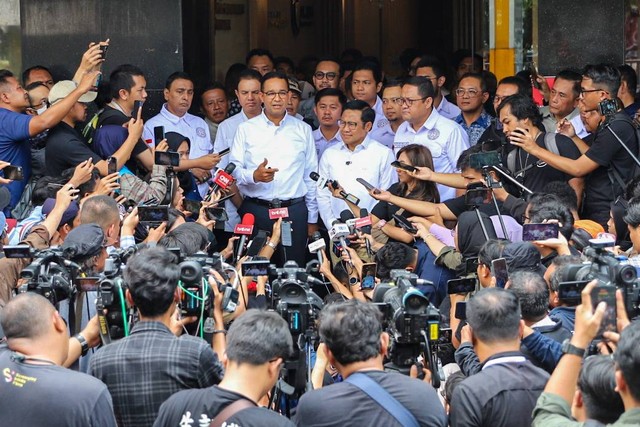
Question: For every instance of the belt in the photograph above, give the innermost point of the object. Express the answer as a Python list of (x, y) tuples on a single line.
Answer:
[(269, 203)]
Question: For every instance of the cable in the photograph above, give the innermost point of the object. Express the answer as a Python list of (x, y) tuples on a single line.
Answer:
[(124, 312)]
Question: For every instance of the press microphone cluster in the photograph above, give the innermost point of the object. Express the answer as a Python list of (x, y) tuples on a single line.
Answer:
[(332, 185)]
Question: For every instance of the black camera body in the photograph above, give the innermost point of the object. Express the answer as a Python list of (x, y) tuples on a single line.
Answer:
[(51, 275)]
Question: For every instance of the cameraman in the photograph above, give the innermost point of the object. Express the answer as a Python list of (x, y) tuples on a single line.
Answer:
[(356, 346), (145, 368), (257, 344)]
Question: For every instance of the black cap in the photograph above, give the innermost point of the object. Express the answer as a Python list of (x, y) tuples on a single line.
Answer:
[(83, 242), (523, 256)]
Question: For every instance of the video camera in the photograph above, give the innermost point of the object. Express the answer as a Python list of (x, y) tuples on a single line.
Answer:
[(414, 326)]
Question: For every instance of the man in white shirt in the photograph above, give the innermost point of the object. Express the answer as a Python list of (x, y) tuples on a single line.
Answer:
[(366, 82), (329, 104), (274, 154), (248, 94), (392, 107), (425, 126), (432, 68), (174, 116), (359, 156)]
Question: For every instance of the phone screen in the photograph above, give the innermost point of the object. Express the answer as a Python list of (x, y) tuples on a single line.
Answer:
[(500, 272), (112, 165), (255, 268), (217, 214), (13, 172), (158, 134), (481, 160), (368, 276), (461, 310), (153, 214), (167, 158), (192, 206), (606, 293), (477, 196), (533, 232), (461, 286)]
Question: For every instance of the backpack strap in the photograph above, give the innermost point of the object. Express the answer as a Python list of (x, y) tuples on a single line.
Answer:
[(550, 143), (383, 398), (230, 411)]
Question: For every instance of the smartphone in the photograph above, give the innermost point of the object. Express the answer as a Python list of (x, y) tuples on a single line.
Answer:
[(192, 206), (112, 165), (461, 286), (13, 172), (255, 268), (153, 214), (400, 165), (405, 224), (286, 237), (368, 186), (608, 107), (103, 51), (518, 131), (137, 106), (223, 199), (461, 310), (257, 243), (158, 134), (368, 276), (606, 293), (500, 272), (477, 196), (18, 251), (216, 214), (337, 249), (534, 75), (167, 158), (479, 161), (471, 265), (224, 152), (570, 293), (533, 232), (87, 283)]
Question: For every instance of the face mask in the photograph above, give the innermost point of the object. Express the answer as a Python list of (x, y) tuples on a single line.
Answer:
[(42, 109)]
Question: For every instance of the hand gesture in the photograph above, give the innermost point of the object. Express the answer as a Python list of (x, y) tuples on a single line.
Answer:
[(264, 173), (82, 173), (65, 196), (130, 223), (162, 146), (156, 234), (383, 195), (92, 58), (422, 172), (588, 321), (88, 81), (565, 127), (523, 140), (203, 219), (136, 126), (208, 161), (276, 231), (108, 184)]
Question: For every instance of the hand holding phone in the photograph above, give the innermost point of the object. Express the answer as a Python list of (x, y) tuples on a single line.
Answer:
[(368, 276), (400, 165)]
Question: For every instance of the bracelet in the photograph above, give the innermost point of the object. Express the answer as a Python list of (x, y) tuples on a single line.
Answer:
[(84, 345), (428, 235), (271, 245), (219, 331)]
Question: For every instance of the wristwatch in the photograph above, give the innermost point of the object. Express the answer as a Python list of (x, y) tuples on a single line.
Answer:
[(381, 224), (84, 345), (271, 245), (568, 348)]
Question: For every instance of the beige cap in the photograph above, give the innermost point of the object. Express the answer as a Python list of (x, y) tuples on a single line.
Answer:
[(63, 88)]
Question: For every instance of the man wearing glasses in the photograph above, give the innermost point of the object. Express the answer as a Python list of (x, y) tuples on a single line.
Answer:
[(605, 163), (471, 95), (274, 154), (327, 75), (425, 126)]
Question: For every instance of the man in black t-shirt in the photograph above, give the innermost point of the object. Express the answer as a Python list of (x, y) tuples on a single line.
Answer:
[(521, 119), (605, 164), (356, 346), (257, 344)]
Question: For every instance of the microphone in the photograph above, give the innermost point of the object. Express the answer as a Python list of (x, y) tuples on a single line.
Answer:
[(221, 180), (331, 184), (365, 227), (317, 245), (339, 230), (244, 229), (347, 217)]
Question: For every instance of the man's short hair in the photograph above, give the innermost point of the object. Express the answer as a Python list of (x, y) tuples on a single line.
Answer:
[(372, 66), (627, 358), (351, 330), (213, 86), (392, 83), (257, 336), (152, 277), (330, 91), (533, 293), (597, 382), (522, 107), (176, 76), (563, 191), (494, 315), (629, 76), (477, 76), (122, 78), (5, 75), (26, 316), (249, 74), (26, 73), (368, 113), (394, 256), (329, 58), (101, 210), (604, 76), (549, 206), (632, 217), (432, 62), (273, 75), (523, 87), (190, 237), (424, 85), (572, 76), (259, 52)]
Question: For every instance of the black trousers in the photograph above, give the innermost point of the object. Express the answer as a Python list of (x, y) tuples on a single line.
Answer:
[(298, 216)]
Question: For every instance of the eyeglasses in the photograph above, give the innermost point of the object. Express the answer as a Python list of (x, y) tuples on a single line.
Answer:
[(410, 101), (583, 91), (471, 92), (272, 94), (397, 101), (329, 76), (348, 125)]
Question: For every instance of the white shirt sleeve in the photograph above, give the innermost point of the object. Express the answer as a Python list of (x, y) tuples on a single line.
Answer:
[(311, 166), (324, 196), (458, 142), (237, 156)]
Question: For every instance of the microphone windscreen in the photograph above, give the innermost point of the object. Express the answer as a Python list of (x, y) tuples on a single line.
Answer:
[(230, 168), (248, 219), (346, 215), (314, 176)]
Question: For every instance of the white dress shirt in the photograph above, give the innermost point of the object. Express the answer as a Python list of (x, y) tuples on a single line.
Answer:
[(224, 138), (444, 138), (323, 143), (385, 136), (370, 161), (190, 126), (288, 147), (447, 109)]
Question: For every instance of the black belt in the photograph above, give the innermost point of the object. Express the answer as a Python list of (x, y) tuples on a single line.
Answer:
[(269, 203)]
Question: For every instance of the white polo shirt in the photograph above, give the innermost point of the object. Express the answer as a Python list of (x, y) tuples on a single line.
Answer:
[(323, 143)]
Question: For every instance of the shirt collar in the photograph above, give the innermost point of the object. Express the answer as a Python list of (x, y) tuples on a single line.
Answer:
[(319, 135), (170, 116), (443, 104), (377, 107), (504, 357), (483, 121), (150, 325), (431, 121), (286, 119), (362, 146)]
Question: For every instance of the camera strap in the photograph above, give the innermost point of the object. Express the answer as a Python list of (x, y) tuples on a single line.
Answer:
[(230, 411), (550, 144), (383, 398)]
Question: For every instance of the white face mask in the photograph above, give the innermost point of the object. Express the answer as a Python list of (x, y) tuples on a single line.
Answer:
[(42, 109)]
